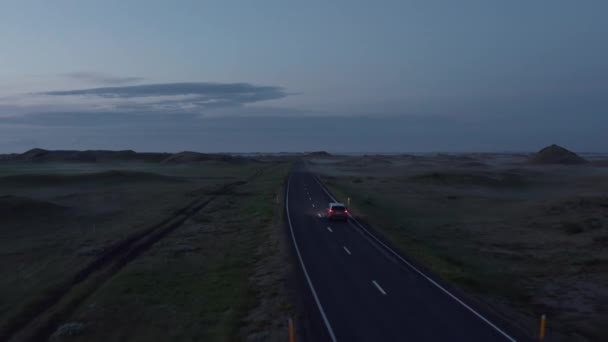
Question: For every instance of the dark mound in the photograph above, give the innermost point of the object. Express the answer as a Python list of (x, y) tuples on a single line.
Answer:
[(97, 177), (555, 154), (13, 207), (455, 157), (89, 156), (472, 164), (190, 157), (319, 154), (374, 158), (507, 179)]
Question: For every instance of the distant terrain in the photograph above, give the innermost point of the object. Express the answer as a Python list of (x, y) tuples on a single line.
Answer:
[(41, 155)]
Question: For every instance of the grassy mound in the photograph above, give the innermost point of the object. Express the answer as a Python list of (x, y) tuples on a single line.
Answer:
[(38, 155), (555, 154), (319, 154), (189, 157)]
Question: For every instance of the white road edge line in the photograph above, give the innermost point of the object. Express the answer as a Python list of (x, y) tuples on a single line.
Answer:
[(329, 228), (379, 288), (480, 316), (312, 288), (346, 249)]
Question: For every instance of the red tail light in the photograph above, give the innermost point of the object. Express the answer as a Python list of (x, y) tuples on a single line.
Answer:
[(346, 211)]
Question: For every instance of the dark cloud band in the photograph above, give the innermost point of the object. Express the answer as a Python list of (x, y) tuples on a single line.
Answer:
[(242, 91), (101, 78), (172, 97)]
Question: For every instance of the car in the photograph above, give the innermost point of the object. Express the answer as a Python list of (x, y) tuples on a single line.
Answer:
[(337, 211)]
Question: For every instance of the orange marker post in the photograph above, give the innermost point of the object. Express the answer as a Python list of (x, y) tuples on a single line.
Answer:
[(292, 335), (543, 322)]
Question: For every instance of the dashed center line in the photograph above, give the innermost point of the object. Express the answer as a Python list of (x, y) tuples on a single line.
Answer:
[(319, 214), (329, 228), (313, 205), (378, 287), (346, 249)]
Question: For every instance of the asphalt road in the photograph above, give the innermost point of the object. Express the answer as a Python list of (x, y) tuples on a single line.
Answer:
[(364, 291)]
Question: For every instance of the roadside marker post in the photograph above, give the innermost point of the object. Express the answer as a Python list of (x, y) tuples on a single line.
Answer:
[(543, 322), (348, 202), (292, 335)]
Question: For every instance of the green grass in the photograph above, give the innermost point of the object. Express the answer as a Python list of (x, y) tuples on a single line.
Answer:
[(421, 228), (38, 255), (211, 168), (198, 293)]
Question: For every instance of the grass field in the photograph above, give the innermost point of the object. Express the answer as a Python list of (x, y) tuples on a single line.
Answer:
[(145, 251), (523, 240), (195, 284), (191, 284)]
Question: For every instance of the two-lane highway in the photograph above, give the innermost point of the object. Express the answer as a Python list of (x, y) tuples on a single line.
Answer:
[(363, 290)]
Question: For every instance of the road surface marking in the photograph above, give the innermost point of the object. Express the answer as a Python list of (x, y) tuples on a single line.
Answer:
[(313, 205), (379, 288), (319, 214), (310, 198), (329, 228), (429, 279), (346, 249), (312, 288)]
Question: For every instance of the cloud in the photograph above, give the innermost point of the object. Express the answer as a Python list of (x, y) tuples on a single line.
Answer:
[(148, 98), (229, 92), (101, 78)]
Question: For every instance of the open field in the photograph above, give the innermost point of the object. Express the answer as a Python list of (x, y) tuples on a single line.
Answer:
[(134, 250), (523, 239), (194, 250)]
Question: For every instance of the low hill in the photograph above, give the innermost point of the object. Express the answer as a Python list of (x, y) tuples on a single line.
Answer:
[(88, 156), (555, 154), (38, 155), (189, 157), (319, 154)]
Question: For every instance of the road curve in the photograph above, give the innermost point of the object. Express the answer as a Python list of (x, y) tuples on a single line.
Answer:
[(364, 291)]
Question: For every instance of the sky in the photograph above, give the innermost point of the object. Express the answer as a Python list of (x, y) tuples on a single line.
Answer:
[(271, 76)]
